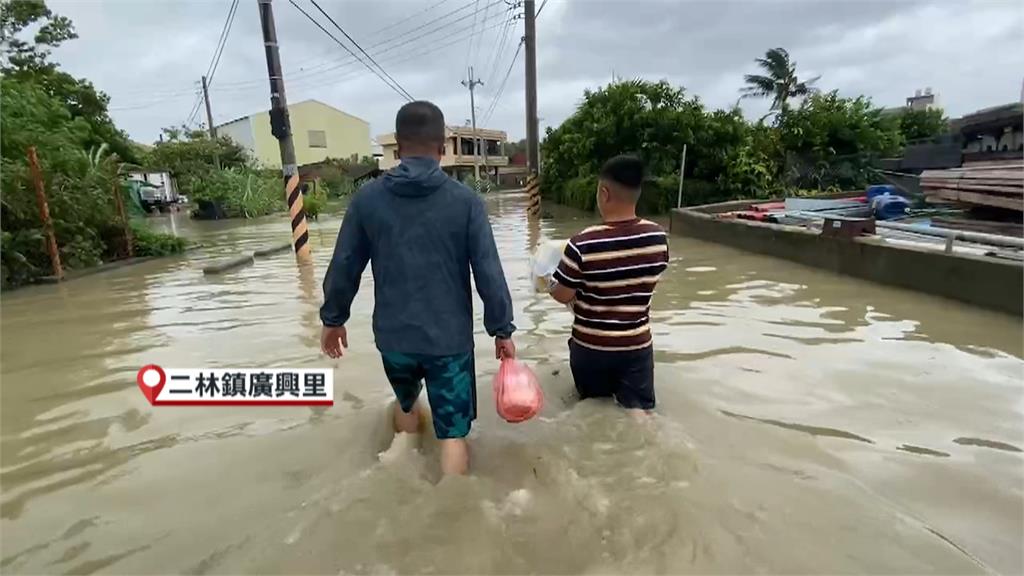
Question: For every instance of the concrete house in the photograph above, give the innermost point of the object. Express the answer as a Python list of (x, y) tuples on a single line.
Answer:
[(458, 151), (319, 132)]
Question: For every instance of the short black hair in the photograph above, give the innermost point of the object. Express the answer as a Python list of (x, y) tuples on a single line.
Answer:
[(625, 170), (419, 122)]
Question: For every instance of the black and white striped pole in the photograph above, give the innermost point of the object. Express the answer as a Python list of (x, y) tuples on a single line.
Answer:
[(280, 127)]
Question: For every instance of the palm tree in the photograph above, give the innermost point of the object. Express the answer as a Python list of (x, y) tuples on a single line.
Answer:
[(780, 83)]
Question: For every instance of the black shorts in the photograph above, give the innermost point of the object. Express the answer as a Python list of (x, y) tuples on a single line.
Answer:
[(626, 375)]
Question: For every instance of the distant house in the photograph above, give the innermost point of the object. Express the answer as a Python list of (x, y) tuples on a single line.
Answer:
[(922, 100), (319, 132), (458, 160), (992, 133)]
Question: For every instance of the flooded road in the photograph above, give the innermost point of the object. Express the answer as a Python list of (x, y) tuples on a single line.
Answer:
[(807, 423)]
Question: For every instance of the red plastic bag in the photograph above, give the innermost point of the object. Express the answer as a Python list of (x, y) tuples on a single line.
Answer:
[(517, 392)]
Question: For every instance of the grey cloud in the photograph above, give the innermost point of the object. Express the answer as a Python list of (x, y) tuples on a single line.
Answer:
[(149, 55)]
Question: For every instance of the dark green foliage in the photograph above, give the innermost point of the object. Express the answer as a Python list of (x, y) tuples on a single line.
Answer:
[(79, 149), (242, 192), (650, 119), (825, 143), (833, 142), (150, 243), (917, 124), (80, 193), (191, 157), (314, 201)]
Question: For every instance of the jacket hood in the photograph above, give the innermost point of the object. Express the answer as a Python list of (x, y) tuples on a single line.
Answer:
[(415, 176)]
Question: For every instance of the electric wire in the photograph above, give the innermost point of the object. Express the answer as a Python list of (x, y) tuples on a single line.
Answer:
[(352, 40)]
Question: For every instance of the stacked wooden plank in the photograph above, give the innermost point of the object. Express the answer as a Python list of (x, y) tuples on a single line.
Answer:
[(999, 185)]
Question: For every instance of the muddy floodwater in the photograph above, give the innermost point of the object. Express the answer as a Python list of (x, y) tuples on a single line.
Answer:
[(807, 423)]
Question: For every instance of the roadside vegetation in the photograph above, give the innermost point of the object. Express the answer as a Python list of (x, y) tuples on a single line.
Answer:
[(81, 154), (825, 142)]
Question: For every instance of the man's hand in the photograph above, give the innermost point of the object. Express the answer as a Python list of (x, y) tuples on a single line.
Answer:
[(504, 348), (333, 341), (563, 294)]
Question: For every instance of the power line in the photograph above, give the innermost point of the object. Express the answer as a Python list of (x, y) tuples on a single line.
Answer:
[(395, 54), (394, 58), (222, 42), (501, 88), (347, 61), (407, 18), (410, 55), (352, 40), (500, 46), (397, 89), (542, 5), (215, 59), (318, 70), (472, 33), (195, 107)]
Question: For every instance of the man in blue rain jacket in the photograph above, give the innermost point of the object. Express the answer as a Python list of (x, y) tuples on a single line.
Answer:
[(423, 233)]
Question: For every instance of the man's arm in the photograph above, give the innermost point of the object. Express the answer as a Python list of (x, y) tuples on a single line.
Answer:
[(351, 253), (568, 276), (490, 279)]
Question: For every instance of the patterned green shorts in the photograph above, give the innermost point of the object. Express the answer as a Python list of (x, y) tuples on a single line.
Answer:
[(451, 388)]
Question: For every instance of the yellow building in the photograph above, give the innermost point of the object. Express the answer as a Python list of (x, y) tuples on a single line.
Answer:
[(319, 132), (458, 151)]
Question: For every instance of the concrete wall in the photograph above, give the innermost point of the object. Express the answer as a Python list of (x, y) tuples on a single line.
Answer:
[(346, 135), (241, 132), (986, 282)]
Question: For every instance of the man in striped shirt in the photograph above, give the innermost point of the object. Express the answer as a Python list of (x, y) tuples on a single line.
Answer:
[(608, 274)]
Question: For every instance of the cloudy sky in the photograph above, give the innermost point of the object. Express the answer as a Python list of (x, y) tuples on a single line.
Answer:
[(148, 55)]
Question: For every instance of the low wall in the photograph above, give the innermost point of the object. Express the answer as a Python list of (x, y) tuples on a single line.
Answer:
[(987, 282)]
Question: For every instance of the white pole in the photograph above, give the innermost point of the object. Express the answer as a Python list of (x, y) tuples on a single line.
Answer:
[(682, 169)]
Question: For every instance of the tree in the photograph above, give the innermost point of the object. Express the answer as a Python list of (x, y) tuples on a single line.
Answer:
[(831, 141), (928, 123), (650, 119), (780, 82), (66, 120), (190, 156), (28, 60), (19, 54), (514, 148)]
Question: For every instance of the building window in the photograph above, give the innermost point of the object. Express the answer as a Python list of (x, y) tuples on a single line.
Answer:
[(395, 154), (317, 138)]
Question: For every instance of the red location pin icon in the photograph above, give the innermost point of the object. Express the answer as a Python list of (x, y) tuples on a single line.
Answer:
[(151, 380)]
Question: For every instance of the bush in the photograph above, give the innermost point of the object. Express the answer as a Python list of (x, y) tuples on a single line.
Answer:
[(314, 200), (79, 185), (149, 243), (831, 141), (191, 157), (242, 193), (652, 120), (338, 185)]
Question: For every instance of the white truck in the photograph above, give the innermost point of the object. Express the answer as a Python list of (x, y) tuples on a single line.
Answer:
[(159, 189)]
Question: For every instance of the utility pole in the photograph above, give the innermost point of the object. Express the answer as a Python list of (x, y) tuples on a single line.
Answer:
[(280, 127), (209, 122), (532, 125), (209, 114), (472, 83), (532, 137)]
